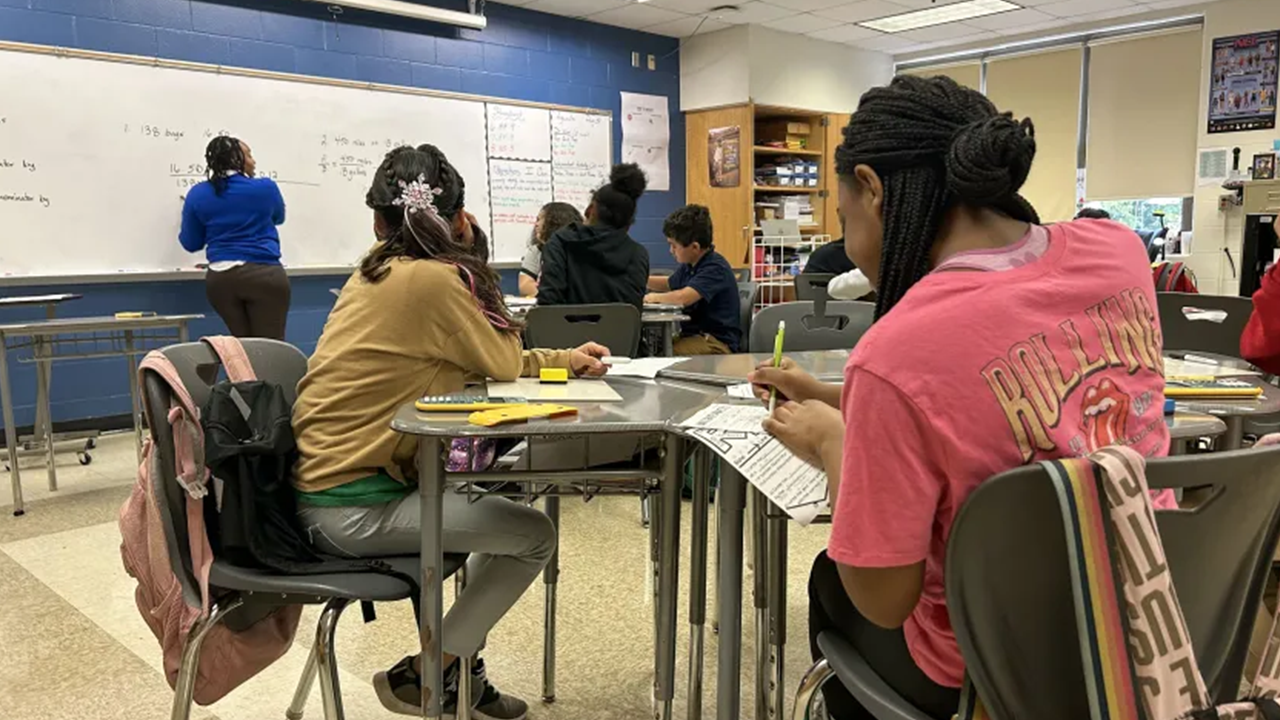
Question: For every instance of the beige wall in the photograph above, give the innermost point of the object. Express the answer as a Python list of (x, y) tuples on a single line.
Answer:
[(748, 62), (1215, 230)]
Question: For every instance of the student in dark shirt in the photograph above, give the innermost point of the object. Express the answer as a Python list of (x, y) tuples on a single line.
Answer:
[(704, 285), (599, 262), (830, 259)]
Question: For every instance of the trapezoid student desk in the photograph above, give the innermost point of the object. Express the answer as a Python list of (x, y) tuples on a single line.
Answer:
[(51, 341), (646, 408)]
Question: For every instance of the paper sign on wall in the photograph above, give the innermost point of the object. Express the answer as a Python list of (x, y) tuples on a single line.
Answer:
[(646, 137)]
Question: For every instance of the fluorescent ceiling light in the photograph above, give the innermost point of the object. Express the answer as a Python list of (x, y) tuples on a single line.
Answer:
[(939, 15), (412, 10)]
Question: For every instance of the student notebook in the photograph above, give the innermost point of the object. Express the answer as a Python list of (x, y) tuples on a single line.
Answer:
[(1210, 388), (594, 391)]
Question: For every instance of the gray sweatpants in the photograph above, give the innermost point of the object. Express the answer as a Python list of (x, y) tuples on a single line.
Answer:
[(509, 544)]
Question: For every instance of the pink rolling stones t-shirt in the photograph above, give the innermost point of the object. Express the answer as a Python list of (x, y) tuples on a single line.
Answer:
[(982, 370)]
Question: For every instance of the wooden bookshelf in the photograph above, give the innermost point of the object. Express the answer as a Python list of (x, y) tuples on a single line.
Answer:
[(767, 150), (786, 189)]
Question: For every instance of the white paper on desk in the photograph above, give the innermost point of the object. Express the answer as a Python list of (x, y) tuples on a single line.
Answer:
[(745, 391), (1174, 368), (734, 433), (1200, 314), (647, 368), (646, 137)]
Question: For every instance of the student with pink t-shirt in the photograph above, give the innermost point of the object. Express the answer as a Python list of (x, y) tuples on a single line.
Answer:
[(999, 342)]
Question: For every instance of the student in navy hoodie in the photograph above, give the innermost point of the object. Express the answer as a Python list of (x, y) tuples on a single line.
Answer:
[(233, 217), (599, 262)]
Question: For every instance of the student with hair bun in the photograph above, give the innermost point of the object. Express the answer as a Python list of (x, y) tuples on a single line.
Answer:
[(598, 262), (998, 342)]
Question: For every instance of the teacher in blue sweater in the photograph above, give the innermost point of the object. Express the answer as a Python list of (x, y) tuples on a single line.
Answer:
[(233, 217)]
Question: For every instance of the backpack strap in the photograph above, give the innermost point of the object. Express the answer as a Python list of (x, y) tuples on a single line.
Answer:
[(234, 360), (1162, 277)]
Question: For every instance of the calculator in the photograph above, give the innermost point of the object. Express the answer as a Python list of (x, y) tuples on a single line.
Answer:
[(466, 403)]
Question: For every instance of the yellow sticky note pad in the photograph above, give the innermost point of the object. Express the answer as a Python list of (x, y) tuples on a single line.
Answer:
[(553, 375)]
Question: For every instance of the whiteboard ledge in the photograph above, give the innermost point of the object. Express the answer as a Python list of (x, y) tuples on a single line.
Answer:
[(121, 277), (59, 51)]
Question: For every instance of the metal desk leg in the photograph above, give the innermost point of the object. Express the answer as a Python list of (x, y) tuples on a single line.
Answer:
[(550, 578), (758, 505), (431, 496), (184, 332), (135, 407), (669, 572), (777, 562), (730, 498), (44, 411), (698, 578), (668, 339), (10, 430), (1234, 437)]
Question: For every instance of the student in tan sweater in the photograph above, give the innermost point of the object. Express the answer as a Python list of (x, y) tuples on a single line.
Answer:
[(422, 315)]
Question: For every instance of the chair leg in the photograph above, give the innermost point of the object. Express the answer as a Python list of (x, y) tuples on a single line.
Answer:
[(807, 694), (327, 661), (185, 687), (299, 704), (644, 511), (464, 664)]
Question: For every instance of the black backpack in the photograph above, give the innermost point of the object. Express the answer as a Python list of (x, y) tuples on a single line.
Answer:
[(252, 515)]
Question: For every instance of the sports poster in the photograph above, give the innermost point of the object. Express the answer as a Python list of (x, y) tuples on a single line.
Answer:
[(1243, 84)]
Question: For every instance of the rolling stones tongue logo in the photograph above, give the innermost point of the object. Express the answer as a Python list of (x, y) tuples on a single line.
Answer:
[(1106, 412)]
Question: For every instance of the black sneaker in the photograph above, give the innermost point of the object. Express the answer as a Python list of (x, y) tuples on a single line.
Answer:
[(493, 705), (400, 689)]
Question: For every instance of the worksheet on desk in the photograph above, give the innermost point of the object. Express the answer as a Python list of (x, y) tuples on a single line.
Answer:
[(734, 433)]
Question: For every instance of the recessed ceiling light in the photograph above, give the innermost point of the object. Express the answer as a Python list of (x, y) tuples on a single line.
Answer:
[(939, 15)]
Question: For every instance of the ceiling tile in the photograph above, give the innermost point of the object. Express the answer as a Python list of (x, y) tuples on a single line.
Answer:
[(1007, 20), (1077, 8), (925, 4), (886, 44), (635, 16), (809, 5), (685, 27), (752, 12), (947, 31), (1051, 26), (518, 3), (802, 23), (690, 7), (1163, 4), (845, 33), (574, 8), (863, 10)]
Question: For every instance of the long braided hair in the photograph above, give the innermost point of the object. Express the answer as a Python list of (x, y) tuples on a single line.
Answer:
[(422, 235), (935, 145), (223, 154)]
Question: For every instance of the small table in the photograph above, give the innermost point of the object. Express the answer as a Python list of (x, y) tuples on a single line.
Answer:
[(724, 370), (1184, 427), (646, 407), (55, 340), (1235, 412), (666, 317)]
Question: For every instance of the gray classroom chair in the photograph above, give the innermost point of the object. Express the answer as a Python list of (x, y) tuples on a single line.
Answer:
[(813, 286), (747, 292), (1010, 598), (1203, 335), (743, 274), (244, 595), (614, 325), (839, 326)]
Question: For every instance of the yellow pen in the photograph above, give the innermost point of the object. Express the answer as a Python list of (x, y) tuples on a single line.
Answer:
[(777, 360)]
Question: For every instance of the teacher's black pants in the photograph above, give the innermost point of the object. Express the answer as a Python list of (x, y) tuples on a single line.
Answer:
[(831, 610), (252, 299)]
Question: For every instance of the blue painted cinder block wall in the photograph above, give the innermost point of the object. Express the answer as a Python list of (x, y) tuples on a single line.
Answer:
[(522, 55)]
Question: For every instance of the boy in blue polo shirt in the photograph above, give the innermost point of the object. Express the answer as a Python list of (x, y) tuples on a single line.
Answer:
[(704, 285)]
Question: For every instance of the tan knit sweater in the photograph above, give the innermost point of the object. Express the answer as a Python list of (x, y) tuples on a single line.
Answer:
[(417, 331)]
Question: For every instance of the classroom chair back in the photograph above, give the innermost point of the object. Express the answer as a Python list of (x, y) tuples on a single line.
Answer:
[(747, 292), (1186, 330), (614, 325), (813, 286), (836, 326), (1009, 588), (1010, 599)]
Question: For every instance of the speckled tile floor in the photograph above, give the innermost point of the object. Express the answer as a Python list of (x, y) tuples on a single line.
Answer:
[(74, 646)]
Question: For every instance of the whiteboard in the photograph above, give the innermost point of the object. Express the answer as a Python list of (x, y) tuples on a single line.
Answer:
[(96, 156), (520, 189)]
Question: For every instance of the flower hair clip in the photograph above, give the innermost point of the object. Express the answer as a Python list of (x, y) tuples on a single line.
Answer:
[(418, 195)]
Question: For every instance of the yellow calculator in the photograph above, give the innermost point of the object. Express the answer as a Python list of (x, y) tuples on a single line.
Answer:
[(466, 403)]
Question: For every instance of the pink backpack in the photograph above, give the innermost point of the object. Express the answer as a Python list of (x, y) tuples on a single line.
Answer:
[(226, 658)]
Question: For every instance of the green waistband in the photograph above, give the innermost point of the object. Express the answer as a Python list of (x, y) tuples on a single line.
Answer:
[(372, 490)]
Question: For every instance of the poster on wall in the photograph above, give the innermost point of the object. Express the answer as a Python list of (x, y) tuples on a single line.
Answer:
[(724, 148), (1242, 86), (646, 137)]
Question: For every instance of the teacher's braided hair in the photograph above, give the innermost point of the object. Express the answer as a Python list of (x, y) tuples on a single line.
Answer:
[(222, 155), (935, 145), (428, 234)]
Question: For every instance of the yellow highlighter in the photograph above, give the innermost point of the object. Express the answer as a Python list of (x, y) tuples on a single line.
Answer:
[(777, 361), (133, 315)]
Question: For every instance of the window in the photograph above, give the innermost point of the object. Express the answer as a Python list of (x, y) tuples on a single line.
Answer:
[(1148, 216)]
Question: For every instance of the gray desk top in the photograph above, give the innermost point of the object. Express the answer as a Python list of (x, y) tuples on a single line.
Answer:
[(826, 365), (62, 326), (1266, 404), (647, 406), (1224, 360), (1183, 425)]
